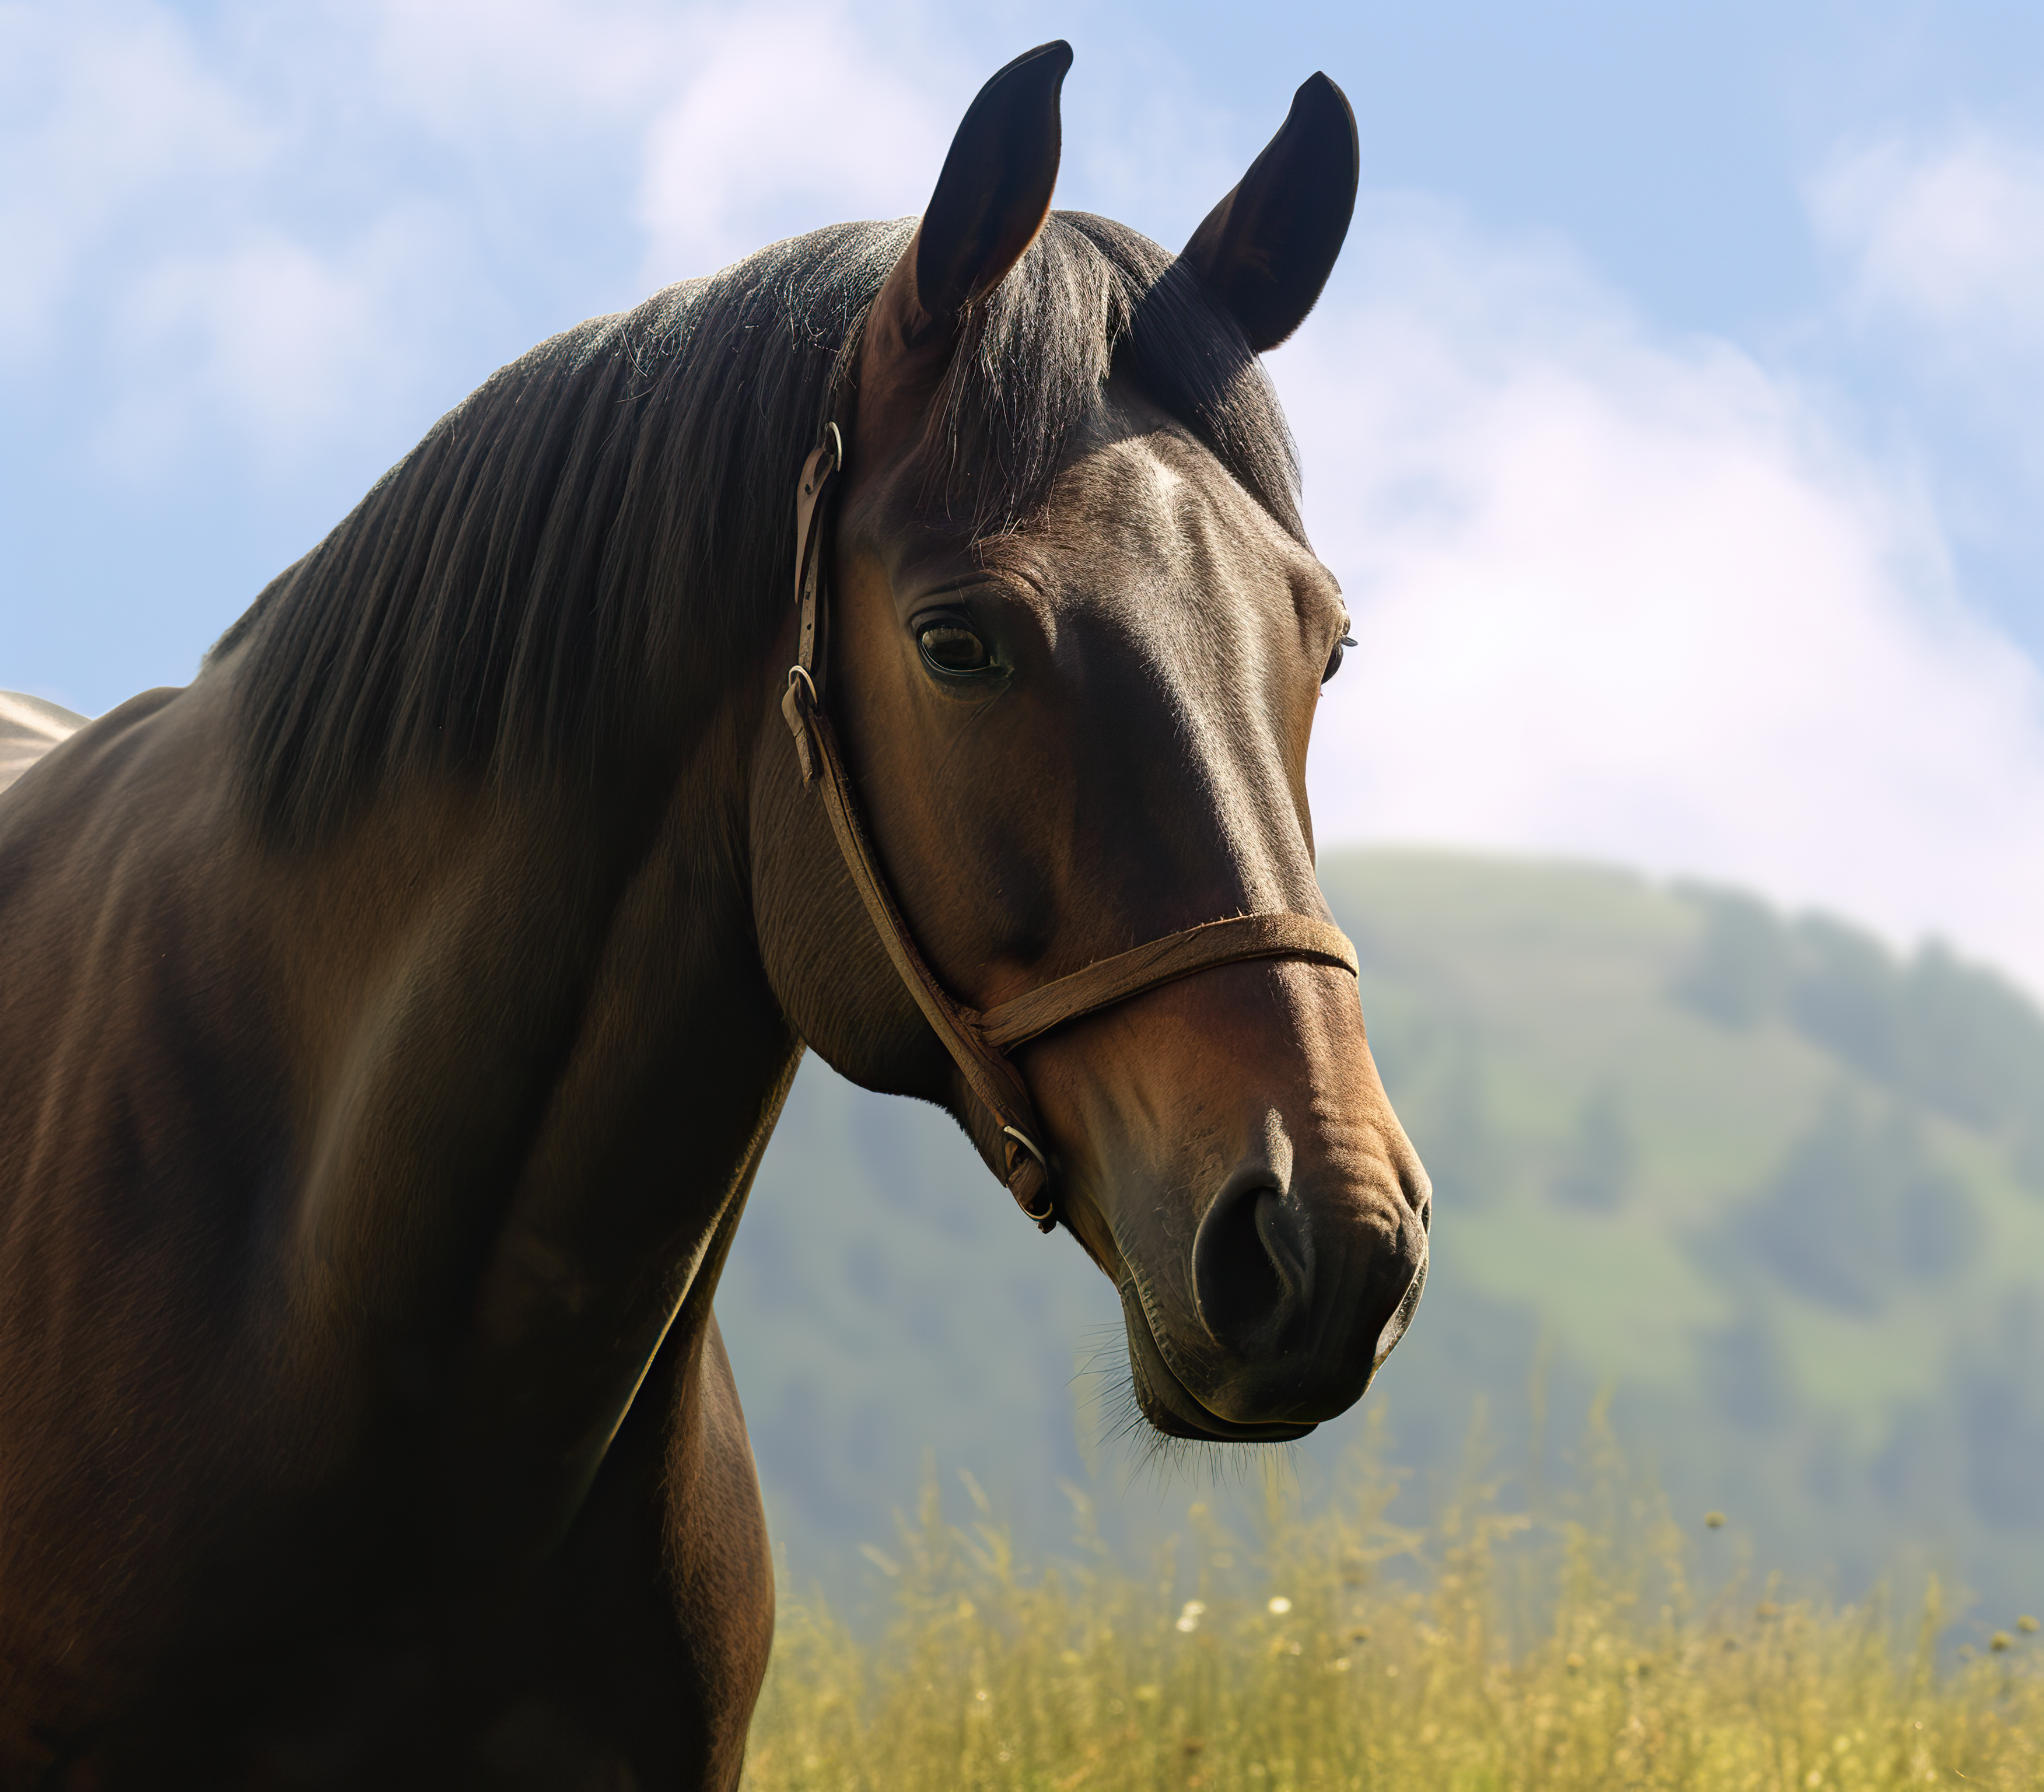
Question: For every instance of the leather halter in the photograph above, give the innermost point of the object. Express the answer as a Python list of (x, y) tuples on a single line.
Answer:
[(977, 1040)]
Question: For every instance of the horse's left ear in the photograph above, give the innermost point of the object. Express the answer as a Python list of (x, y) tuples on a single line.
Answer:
[(1267, 250)]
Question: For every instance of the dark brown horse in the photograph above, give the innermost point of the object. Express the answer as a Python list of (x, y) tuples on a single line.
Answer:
[(394, 1016)]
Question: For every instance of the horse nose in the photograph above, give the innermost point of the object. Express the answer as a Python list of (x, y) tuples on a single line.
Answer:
[(1252, 1267), (1303, 1323)]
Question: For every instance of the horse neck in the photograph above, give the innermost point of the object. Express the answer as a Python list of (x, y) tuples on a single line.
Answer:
[(548, 1058)]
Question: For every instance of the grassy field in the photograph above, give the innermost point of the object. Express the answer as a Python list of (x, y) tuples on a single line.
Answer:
[(1604, 1643)]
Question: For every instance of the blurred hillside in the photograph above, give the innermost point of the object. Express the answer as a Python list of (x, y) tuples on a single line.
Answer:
[(1780, 1189)]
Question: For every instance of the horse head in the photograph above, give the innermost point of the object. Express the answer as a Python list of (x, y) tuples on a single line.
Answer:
[(1074, 671)]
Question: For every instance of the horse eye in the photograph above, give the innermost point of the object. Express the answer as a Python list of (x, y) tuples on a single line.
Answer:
[(1335, 659), (952, 647)]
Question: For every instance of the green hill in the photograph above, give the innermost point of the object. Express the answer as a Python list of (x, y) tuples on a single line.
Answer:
[(1780, 1190)]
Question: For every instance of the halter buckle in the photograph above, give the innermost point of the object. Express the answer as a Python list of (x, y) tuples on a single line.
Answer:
[(798, 720)]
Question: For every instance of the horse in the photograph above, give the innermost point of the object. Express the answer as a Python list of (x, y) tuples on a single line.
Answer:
[(29, 726), (396, 1014)]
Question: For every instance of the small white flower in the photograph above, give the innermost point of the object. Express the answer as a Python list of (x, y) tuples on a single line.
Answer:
[(1280, 1605), (1188, 1618)]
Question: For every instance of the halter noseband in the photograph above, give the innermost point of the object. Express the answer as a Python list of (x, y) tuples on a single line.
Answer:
[(977, 1041)]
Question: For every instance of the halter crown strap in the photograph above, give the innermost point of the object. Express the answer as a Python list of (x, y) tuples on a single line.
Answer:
[(978, 1042)]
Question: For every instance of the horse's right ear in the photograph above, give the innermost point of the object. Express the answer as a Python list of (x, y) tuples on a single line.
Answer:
[(991, 200), (995, 191), (1267, 250)]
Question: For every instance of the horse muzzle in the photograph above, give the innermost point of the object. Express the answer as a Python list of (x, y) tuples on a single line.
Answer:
[(1286, 1322)]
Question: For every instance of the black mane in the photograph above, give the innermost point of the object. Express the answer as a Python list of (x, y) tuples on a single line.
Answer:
[(585, 551)]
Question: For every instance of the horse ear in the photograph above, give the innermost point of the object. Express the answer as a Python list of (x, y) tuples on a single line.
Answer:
[(995, 191), (1266, 251)]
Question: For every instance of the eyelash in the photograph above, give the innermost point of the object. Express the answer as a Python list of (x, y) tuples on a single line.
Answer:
[(957, 631), (1335, 659)]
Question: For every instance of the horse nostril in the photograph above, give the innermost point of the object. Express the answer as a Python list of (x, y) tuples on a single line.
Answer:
[(1250, 1268), (1417, 1188)]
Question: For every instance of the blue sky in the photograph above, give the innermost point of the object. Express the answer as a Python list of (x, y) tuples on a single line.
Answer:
[(1676, 420)]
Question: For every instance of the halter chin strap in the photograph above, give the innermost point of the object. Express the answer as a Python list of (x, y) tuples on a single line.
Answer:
[(978, 1041)]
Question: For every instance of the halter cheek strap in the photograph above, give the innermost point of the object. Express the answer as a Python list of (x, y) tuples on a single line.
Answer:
[(978, 1041)]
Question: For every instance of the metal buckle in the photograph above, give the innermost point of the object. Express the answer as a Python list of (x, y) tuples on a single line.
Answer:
[(1045, 1219), (1028, 1144)]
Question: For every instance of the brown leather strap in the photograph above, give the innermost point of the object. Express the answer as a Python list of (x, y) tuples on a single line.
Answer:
[(989, 1074), (1127, 974), (977, 1042), (994, 1082)]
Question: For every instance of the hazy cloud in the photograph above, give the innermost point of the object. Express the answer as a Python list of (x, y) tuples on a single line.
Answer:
[(762, 143), (1948, 238), (273, 230), (1637, 599), (283, 342), (111, 126)]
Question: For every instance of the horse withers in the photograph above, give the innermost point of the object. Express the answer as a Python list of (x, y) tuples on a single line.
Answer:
[(396, 1015)]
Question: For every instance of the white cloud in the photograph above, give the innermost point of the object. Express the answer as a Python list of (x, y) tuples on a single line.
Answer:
[(109, 116), (791, 119), (191, 252), (274, 223), (1947, 238), (1634, 599), (484, 74), (285, 343)]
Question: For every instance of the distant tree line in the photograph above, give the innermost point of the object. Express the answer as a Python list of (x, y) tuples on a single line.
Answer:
[(1958, 1038)]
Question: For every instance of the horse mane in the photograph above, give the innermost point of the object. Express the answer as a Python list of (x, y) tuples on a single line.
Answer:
[(581, 553)]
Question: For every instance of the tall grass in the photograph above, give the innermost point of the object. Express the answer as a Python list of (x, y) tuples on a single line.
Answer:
[(1489, 1650)]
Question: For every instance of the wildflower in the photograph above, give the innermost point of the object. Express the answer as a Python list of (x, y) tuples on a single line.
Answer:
[(1714, 1520), (1280, 1605), (1188, 1618), (2027, 1625), (2000, 1642)]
